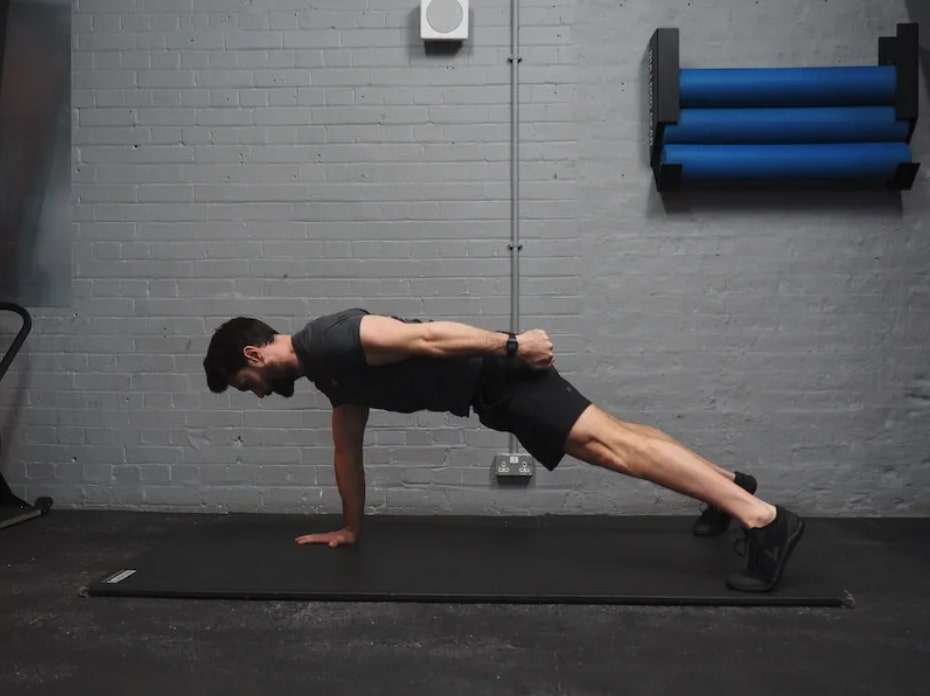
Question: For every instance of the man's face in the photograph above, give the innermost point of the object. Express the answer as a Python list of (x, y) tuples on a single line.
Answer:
[(263, 376)]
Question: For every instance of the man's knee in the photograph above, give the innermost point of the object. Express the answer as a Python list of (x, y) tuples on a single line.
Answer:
[(598, 439)]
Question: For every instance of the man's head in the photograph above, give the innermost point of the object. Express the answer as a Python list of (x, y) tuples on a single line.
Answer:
[(249, 355)]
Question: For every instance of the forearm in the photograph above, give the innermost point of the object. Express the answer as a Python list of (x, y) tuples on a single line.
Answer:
[(350, 478), (446, 339)]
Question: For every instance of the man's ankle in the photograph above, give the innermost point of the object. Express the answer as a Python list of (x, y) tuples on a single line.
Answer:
[(765, 516)]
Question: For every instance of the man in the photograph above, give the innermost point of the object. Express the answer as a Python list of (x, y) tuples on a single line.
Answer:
[(361, 361)]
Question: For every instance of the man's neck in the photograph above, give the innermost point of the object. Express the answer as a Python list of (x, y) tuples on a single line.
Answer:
[(292, 360)]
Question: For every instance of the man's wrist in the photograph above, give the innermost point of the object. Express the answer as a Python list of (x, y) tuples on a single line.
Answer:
[(508, 345), (511, 346)]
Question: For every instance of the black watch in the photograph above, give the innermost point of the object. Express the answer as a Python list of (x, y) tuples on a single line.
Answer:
[(512, 345)]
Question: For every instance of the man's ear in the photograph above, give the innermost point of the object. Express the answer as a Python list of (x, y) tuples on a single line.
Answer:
[(253, 356)]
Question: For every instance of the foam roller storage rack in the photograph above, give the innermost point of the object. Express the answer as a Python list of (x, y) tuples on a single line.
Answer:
[(844, 125)]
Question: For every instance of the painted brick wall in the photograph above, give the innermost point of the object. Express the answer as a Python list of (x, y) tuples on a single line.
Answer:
[(283, 159)]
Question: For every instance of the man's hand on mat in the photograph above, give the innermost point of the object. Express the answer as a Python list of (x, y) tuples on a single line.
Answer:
[(535, 348), (343, 537)]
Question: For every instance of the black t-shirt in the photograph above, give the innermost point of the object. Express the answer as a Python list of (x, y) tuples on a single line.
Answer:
[(331, 352)]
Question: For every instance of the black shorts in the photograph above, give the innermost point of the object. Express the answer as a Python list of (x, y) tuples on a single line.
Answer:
[(539, 407)]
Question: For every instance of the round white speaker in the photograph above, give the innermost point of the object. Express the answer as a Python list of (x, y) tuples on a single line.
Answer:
[(444, 15)]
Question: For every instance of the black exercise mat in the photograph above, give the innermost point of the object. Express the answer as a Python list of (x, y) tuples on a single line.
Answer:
[(10, 515), (551, 559)]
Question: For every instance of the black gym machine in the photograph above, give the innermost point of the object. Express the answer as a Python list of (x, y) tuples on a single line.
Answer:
[(14, 510)]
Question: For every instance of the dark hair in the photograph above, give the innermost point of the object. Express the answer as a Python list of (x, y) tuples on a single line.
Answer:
[(225, 355)]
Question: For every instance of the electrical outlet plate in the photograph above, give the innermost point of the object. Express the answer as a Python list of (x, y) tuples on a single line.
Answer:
[(519, 465)]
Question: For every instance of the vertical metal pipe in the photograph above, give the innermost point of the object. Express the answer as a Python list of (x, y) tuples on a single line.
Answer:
[(515, 245)]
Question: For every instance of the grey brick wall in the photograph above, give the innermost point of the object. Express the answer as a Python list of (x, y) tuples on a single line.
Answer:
[(285, 159)]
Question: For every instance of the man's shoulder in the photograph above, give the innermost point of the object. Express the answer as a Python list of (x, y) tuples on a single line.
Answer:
[(321, 322), (339, 315), (355, 312), (335, 331), (330, 342)]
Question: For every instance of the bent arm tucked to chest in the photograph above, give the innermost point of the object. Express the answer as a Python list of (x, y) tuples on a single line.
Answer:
[(386, 340)]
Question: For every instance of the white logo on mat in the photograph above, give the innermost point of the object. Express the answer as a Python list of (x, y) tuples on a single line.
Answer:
[(119, 577)]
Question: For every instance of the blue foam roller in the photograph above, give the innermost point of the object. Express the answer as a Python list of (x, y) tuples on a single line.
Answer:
[(786, 87), (845, 124), (820, 161)]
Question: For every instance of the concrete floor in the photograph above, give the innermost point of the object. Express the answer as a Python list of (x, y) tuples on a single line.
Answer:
[(54, 640)]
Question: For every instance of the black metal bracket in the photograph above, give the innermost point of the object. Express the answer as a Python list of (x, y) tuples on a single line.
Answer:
[(664, 102), (903, 52), (664, 95), (904, 176)]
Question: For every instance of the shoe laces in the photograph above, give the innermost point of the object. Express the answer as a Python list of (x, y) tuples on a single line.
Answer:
[(743, 546)]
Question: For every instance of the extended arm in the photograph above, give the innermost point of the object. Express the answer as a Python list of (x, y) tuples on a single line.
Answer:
[(386, 340), (348, 434)]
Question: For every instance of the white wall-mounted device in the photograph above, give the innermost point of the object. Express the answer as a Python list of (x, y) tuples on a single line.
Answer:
[(444, 20)]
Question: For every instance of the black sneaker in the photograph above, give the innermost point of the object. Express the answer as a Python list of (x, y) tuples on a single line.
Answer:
[(713, 520), (770, 548)]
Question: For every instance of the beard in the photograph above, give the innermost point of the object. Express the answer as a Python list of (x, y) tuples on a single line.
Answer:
[(282, 383), (283, 388)]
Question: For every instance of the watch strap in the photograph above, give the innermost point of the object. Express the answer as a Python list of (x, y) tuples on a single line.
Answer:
[(512, 344)]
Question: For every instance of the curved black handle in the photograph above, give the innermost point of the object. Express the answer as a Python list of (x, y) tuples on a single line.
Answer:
[(20, 337)]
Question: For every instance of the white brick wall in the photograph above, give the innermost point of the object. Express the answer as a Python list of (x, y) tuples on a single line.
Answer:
[(286, 159)]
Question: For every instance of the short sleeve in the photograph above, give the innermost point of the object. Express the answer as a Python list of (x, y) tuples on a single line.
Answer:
[(335, 345)]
